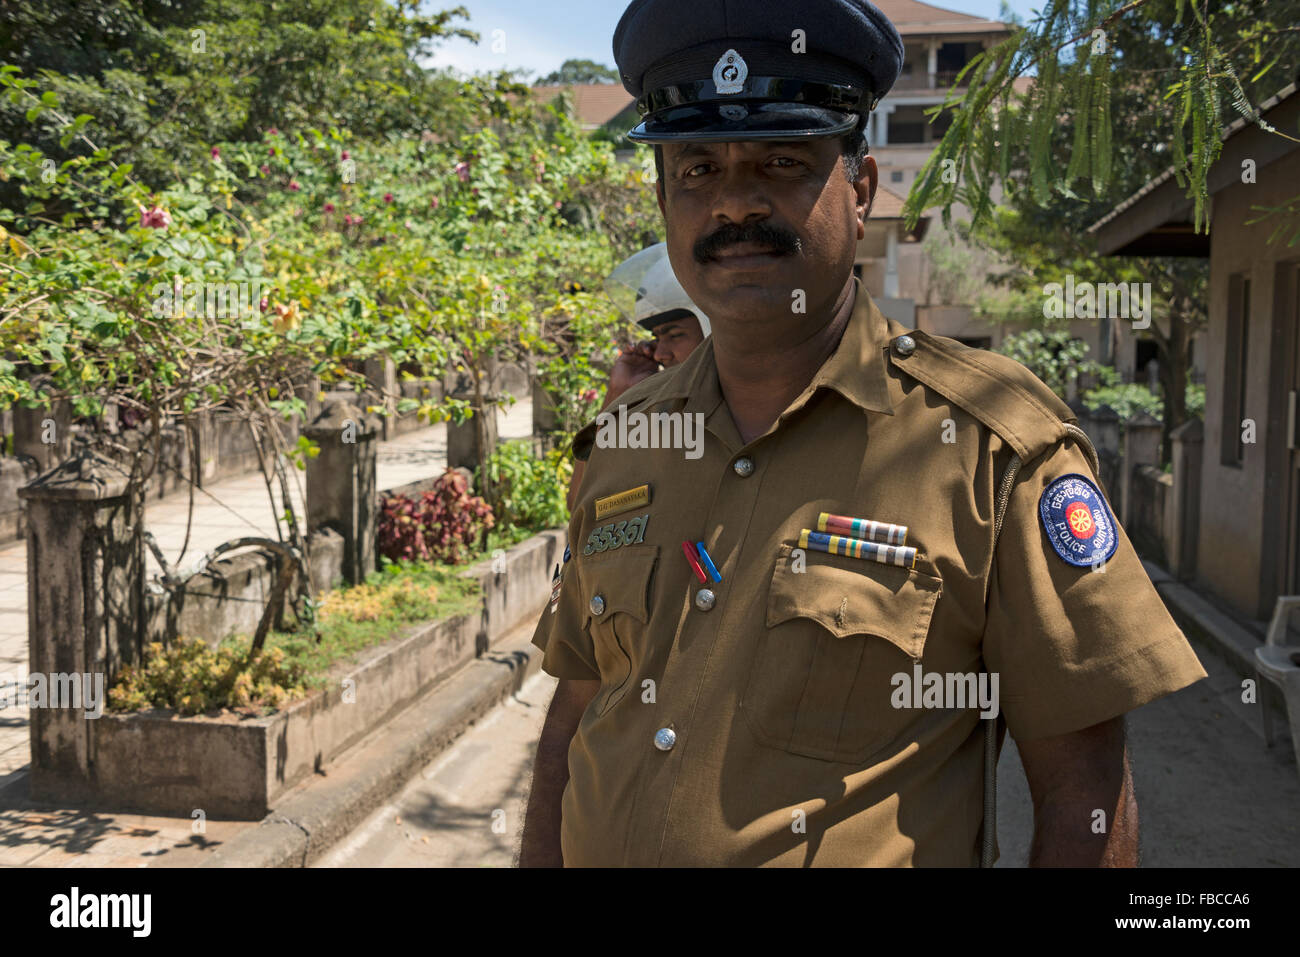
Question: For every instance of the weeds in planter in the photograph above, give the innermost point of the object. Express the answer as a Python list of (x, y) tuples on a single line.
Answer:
[(191, 678)]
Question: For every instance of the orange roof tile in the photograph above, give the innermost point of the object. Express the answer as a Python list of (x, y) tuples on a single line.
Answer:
[(913, 19)]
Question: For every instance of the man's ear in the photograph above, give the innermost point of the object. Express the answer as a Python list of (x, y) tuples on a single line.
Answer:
[(865, 188)]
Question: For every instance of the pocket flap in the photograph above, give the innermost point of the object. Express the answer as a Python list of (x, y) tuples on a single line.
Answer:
[(622, 579), (851, 596)]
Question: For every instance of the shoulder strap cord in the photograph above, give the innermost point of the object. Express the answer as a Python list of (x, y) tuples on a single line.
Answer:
[(991, 724)]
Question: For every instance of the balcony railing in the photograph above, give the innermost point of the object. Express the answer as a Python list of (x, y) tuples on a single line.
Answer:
[(926, 81)]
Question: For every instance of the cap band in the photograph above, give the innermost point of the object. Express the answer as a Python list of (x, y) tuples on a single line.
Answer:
[(846, 99)]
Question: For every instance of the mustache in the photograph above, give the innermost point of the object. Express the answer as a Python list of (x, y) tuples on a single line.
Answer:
[(765, 234)]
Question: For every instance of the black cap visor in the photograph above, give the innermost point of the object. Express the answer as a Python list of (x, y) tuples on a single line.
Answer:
[(658, 319), (712, 121)]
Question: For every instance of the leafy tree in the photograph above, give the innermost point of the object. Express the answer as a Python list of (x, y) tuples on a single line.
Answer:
[(1120, 92), (579, 71)]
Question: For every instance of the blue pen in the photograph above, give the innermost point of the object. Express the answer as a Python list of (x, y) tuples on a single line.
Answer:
[(708, 562)]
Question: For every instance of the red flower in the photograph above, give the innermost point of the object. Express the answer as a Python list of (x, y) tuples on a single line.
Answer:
[(154, 217), (343, 155), (329, 207), (272, 131), (388, 197), (216, 151), (433, 203), (293, 185), (265, 170), (462, 170)]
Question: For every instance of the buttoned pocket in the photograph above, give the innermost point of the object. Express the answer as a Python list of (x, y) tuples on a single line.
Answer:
[(617, 591), (837, 632)]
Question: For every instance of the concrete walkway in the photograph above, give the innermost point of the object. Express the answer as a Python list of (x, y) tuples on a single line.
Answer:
[(228, 509)]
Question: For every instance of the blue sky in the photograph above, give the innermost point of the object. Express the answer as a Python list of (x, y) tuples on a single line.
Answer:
[(540, 35)]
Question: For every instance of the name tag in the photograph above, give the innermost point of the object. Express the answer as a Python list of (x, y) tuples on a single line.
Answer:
[(623, 501)]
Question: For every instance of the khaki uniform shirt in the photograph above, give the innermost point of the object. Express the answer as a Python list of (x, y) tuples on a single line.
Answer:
[(788, 749)]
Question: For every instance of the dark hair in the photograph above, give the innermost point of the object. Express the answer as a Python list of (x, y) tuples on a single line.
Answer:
[(853, 145)]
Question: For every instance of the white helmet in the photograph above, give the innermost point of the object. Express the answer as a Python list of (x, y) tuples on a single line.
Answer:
[(646, 290)]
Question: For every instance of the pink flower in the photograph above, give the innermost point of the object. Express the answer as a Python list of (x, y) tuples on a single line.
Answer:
[(270, 151), (216, 151), (263, 304), (475, 191), (388, 197), (347, 219), (154, 217), (265, 170), (293, 185), (558, 204), (272, 131), (589, 396), (329, 207), (462, 170), (433, 203), (343, 155)]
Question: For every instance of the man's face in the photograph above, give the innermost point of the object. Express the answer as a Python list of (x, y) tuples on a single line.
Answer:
[(675, 340), (750, 223)]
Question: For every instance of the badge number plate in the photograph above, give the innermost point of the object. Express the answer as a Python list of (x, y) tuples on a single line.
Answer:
[(617, 534)]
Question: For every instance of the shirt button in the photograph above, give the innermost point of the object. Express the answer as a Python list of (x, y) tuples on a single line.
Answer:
[(597, 605), (904, 346), (744, 466), (665, 738), (705, 599)]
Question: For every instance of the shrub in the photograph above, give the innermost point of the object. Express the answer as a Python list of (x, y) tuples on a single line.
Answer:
[(192, 678), (530, 491), (442, 525)]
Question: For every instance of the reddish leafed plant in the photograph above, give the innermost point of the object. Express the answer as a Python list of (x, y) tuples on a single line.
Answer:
[(442, 525)]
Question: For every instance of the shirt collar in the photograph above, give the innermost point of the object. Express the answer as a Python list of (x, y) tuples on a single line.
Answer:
[(856, 370)]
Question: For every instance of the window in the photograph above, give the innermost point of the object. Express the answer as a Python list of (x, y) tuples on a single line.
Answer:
[(907, 125), (1232, 451), (896, 176)]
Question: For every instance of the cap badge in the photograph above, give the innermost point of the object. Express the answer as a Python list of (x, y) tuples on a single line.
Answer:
[(730, 72)]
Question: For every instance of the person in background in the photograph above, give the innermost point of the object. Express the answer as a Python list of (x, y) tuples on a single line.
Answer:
[(659, 305)]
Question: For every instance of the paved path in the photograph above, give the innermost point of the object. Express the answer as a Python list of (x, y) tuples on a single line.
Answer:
[(228, 509)]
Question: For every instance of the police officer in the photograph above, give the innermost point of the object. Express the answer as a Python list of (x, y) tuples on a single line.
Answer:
[(645, 289), (787, 649)]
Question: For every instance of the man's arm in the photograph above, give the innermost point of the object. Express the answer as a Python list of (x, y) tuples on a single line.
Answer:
[(1071, 777), (541, 838)]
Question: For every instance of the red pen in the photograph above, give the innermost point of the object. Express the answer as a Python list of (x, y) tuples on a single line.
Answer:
[(689, 550)]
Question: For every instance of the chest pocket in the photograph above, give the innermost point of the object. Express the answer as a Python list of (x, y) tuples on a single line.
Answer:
[(820, 682), (621, 580)]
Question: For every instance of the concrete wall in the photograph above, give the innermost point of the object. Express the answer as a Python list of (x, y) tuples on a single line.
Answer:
[(1242, 507)]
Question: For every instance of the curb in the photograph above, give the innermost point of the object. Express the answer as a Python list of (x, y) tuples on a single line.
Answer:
[(307, 824)]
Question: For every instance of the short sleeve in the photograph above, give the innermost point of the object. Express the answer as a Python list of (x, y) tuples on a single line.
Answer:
[(1074, 641), (561, 632)]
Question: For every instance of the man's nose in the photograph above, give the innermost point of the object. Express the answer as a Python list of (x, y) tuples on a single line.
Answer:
[(740, 196)]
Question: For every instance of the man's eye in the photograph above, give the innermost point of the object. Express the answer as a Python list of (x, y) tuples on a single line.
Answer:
[(697, 166), (786, 160)]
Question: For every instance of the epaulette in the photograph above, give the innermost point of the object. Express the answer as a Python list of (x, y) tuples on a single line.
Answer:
[(995, 389)]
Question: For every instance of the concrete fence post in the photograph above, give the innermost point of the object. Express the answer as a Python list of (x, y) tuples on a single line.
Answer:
[(1187, 442), (341, 485), (381, 374), (44, 435), (1141, 446), (85, 604)]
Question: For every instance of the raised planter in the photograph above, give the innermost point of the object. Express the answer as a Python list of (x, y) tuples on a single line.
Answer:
[(232, 768)]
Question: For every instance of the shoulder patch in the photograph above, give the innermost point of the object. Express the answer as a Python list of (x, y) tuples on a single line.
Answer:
[(998, 391), (1078, 522)]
